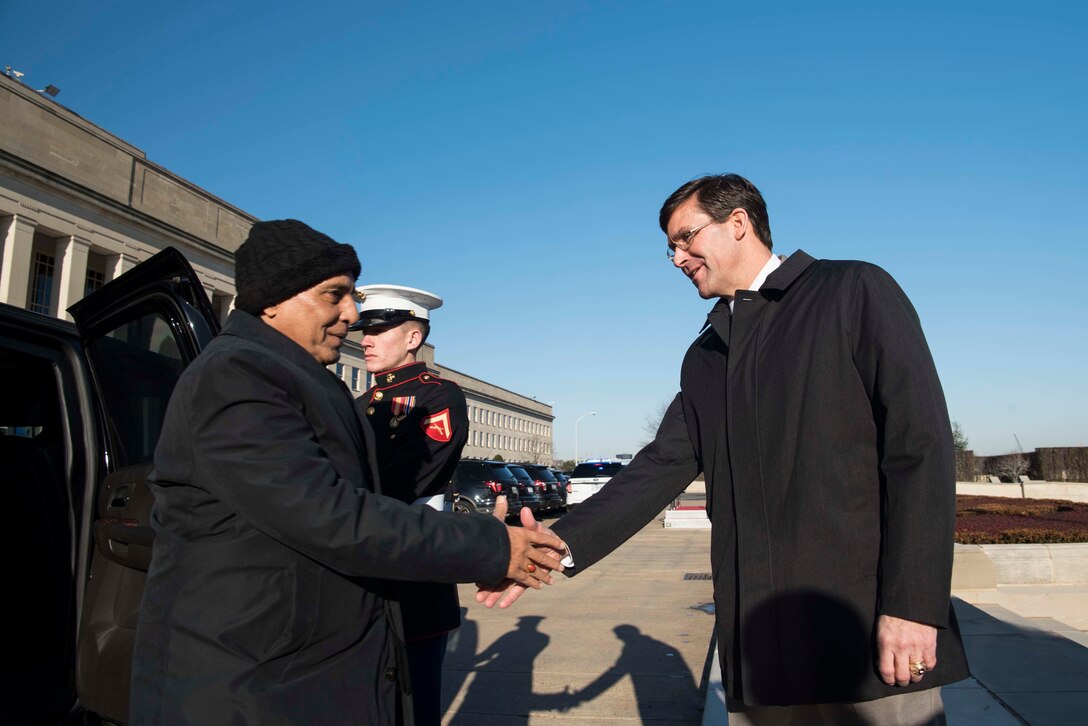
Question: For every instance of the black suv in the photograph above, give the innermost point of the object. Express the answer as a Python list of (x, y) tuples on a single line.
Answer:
[(546, 484), (81, 407), (531, 497), (476, 483), (564, 484)]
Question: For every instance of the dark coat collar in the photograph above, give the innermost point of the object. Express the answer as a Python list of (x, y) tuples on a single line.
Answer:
[(789, 271), (778, 281), (249, 327)]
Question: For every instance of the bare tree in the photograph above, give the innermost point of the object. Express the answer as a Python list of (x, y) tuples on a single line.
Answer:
[(1009, 466), (653, 421)]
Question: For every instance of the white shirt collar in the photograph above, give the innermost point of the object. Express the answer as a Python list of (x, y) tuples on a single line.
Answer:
[(772, 264)]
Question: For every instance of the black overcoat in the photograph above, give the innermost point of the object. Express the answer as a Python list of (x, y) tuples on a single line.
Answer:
[(420, 424), (261, 604), (817, 416)]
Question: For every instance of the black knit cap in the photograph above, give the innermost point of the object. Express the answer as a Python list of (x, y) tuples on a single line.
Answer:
[(283, 257)]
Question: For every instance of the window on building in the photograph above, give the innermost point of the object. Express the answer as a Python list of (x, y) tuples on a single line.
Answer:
[(94, 281), (41, 283), (354, 378), (340, 371)]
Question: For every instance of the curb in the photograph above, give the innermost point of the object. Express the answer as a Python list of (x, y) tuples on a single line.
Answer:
[(985, 567)]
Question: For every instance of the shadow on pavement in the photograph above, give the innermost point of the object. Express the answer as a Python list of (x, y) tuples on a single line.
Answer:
[(503, 680), (1040, 676)]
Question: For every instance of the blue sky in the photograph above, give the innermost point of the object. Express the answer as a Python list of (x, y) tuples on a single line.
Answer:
[(512, 158)]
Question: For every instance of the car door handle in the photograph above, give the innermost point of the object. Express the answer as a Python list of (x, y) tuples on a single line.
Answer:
[(125, 541), (120, 497)]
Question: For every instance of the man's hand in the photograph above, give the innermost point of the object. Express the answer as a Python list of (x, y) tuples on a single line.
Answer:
[(531, 548), (902, 642), (546, 555)]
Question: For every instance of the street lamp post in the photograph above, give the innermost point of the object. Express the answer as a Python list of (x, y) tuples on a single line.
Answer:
[(576, 422)]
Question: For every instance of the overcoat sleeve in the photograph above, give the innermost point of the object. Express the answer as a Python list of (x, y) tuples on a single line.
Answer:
[(914, 439), (634, 496), (254, 448)]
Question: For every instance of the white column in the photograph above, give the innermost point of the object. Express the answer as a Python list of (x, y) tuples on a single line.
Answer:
[(118, 264), (71, 264), (15, 260), (227, 309)]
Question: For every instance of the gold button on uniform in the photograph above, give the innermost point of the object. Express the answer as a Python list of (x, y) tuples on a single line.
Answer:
[(390, 378), (378, 395), (370, 411)]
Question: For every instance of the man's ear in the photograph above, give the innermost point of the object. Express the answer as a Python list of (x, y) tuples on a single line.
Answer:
[(738, 223), (415, 338), (271, 311)]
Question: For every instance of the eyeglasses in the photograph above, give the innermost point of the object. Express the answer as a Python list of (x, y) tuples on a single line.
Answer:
[(685, 240)]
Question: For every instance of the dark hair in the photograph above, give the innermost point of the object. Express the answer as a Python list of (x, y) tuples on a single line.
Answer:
[(424, 329), (718, 196)]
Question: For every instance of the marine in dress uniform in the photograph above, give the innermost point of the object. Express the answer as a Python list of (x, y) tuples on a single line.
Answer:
[(420, 425)]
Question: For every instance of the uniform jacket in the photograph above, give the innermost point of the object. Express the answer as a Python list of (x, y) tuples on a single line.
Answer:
[(816, 414), (420, 424), (262, 603)]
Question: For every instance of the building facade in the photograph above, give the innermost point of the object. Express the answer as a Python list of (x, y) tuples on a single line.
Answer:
[(79, 206)]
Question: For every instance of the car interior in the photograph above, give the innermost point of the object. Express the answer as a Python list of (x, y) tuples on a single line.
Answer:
[(41, 527)]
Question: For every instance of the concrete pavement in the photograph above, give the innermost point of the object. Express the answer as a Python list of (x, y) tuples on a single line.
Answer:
[(629, 641), (626, 642)]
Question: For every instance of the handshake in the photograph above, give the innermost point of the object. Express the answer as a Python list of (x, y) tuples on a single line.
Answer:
[(535, 551)]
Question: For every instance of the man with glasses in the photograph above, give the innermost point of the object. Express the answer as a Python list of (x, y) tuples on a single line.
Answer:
[(420, 424), (811, 403)]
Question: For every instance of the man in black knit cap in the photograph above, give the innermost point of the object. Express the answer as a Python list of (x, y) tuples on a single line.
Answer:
[(265, 599)]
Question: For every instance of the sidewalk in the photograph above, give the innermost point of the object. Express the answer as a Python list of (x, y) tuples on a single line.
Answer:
[(629, 641), (1028, 651), (626, 642)]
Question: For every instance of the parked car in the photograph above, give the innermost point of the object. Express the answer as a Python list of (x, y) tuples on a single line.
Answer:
[(81, 407), (477, 483), (564, 485), (532, 497), (588, 478), (545, 482)]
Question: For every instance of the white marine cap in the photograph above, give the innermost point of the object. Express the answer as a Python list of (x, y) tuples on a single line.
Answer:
[(385, 304)]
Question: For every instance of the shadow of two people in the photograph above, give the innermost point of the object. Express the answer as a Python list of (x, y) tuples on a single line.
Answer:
[(504, 674)]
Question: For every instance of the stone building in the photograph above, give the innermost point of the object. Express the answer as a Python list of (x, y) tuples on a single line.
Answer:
[(79, 206)]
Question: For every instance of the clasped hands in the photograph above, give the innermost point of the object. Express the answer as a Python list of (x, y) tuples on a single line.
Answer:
[(535, 551)]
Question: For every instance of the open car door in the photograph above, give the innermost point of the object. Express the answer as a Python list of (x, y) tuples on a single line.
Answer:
[(139, 332)]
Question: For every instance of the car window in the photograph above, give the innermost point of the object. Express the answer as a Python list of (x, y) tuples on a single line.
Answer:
[(541, 473), (145, 361), (594, 469), (501, 473), (470, 469)]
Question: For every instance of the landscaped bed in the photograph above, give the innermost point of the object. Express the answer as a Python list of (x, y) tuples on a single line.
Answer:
[(1005, 520)]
